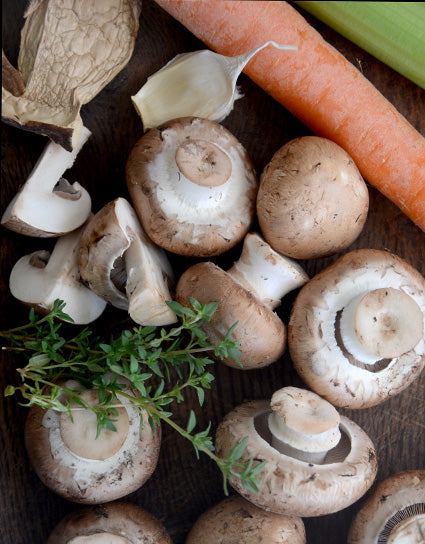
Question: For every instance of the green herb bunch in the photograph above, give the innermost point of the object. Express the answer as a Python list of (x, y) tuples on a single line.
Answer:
[(158, 363)]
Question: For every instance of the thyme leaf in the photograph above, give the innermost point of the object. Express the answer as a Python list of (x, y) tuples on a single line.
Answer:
[(159, 363)]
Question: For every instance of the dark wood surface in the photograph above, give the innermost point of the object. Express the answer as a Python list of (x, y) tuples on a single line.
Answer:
[(182, 487)]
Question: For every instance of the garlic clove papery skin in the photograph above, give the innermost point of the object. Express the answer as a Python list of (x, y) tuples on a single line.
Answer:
[(198, 84)]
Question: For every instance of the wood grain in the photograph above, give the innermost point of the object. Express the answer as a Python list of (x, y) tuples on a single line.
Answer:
[(182, 487)]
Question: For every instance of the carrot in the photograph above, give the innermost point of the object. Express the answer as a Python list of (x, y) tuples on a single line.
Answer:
[(321, 87)]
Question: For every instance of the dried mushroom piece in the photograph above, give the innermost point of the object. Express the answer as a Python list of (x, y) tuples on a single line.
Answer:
[(70, 49)]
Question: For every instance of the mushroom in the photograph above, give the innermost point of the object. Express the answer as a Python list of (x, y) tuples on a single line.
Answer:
[(235, 519), (42, 277), (356, 333), (394, 513), (193, 186), (312, 200), (71, 461), (115, 523), (247, 294), (291, 433), (121, 265), (47, 205)]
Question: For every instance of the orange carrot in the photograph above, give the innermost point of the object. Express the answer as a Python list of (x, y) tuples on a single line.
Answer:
[(321, 87)]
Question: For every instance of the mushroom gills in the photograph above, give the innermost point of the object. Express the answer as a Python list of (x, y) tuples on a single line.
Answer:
[(407, 526)]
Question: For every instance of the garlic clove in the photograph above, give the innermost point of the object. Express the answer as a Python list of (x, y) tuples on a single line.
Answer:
[(198, 84)]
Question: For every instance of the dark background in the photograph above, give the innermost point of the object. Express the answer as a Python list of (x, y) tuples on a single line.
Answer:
[(182, 487)]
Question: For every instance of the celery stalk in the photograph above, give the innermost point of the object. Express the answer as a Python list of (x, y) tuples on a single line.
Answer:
[(393, 32)]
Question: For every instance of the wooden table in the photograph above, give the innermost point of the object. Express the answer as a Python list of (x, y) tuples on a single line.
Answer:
[(181, 487)]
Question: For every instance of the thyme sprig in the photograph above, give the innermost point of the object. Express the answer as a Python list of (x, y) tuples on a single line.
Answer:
[(158, 363)]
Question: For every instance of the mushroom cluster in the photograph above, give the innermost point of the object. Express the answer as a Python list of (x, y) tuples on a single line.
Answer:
[(356, 333), (317, 462), (246, 294), (77, 463)]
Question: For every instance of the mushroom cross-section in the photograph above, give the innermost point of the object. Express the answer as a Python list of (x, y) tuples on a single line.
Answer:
[(72, 462), (47, 205), (288, 433), (247, 294), (121, 265), (394, 513), (42, 277), (193, 187), (312, 200), (235, 519), (356, 333), (114, 523)]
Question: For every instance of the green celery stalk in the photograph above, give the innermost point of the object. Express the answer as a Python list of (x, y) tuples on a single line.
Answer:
[(393, 32)]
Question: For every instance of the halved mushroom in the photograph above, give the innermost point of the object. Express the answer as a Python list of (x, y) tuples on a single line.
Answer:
[(193, 186), (312, 200), (42, 277), (288, 433), (235, 519), (356, 333), (72, 462), (114, 523), (47, 205), (247, 294), (121, 265), (394, 513)]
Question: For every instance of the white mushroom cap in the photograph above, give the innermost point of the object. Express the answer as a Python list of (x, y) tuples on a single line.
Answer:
[(291, 486), (47, 205), (246, 294), (393, 513), (193, 187), (312, 200), (303, 424), (40, 278), (114, 523), (68, 459), (328, 355), (235, 519), (114, 243)]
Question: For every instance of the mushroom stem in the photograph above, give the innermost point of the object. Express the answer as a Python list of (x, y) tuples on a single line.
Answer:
[(303, 425), (410, 531), (268, 275), (379, 324)]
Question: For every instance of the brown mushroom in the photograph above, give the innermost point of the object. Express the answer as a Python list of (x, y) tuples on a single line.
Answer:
[(294, 480), (356, 333), (394, 513), (115, 523), (235, 520), (246, 294), (312, 200), (193, 186), (80, 466)]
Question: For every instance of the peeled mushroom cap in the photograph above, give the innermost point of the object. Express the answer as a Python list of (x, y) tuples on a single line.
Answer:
[(291, 486), (312, 200), (393, 513), (72, 462), (42, 277), (119, 263), (115, 523), (340, 370), (235, 519), (193, 186)]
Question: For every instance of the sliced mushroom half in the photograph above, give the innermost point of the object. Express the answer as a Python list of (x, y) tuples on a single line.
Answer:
[(247, 294), (114, 523), (357, 330), (193, 186), (394, 513), (47, 205), (317, 462), (235, 519), (119, 263), (42, 277), (72, 462)]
